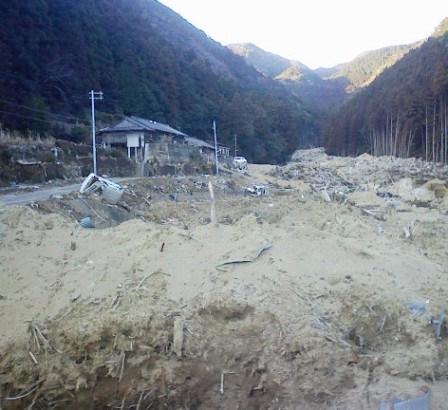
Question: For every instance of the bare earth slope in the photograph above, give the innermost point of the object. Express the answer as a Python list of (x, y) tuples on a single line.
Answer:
[(295, 300)]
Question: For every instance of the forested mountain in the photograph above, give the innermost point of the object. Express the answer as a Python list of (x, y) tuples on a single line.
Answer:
[(323, 89), (403, 112), (362, 70), (391, 101), (270, 64), (149, 62), (318, 94)]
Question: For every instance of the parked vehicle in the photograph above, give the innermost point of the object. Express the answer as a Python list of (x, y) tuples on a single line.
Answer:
[(240, 162)]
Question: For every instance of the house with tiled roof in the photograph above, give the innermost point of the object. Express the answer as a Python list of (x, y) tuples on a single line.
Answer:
[(134, 133), (148, 142)]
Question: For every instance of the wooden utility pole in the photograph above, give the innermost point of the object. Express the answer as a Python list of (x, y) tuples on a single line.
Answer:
[(94, 95), (216, 148)]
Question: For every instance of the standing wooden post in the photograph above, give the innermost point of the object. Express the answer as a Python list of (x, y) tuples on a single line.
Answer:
[(216, 148), (212, 202)]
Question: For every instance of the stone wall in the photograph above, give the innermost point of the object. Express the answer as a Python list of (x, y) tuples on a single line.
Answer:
[(39, 163)]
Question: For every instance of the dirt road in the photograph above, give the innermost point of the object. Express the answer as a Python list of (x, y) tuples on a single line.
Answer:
[(36, 194)]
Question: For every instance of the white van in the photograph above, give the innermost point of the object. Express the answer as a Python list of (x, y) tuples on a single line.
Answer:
[(240, 162)]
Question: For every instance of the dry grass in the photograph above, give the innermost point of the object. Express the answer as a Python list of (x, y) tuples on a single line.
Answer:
[(14, 137)]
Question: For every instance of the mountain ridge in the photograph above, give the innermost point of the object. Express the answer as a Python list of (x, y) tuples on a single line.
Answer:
[(148, 61), (152, 63), (322, 88), (383, 98)]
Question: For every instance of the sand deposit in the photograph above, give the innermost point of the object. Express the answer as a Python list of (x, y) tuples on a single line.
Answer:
[(299, 299)]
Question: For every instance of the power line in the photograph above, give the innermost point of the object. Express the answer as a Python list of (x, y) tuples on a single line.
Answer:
[(24, 116), (40, 85), (39, 111), (52, 89)]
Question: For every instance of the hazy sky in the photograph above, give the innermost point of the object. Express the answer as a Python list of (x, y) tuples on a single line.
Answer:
[(318, 33)]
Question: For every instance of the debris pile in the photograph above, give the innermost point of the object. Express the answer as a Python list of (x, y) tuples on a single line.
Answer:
[(379, 180), (327, 292)]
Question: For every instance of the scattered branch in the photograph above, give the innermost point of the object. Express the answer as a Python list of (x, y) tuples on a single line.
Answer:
[(25, 393)]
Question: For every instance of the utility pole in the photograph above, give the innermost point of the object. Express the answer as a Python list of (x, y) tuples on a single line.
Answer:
[(216, 148), (235, 144), (94, 95)]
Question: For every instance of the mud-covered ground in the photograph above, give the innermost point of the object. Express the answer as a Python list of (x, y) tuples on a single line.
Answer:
[(299, 299)]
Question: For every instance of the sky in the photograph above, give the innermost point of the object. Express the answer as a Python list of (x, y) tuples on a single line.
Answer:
[(318, 33)]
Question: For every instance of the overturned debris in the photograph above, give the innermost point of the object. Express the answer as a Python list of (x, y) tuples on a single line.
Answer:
[(255, 190), (110, 191)]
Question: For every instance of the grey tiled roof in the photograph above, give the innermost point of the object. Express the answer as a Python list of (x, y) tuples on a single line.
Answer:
[(198, 142), (140, 124)]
